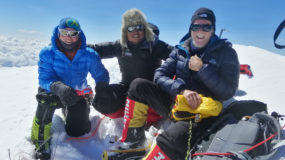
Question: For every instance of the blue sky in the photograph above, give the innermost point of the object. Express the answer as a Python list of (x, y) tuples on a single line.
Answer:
[(250, 22)]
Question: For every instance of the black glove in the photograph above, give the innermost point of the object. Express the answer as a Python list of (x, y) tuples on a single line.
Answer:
[(105, 97), (66, 94), (49, 99), (103, 90)]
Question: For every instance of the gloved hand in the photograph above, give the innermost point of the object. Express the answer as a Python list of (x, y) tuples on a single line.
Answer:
[(104, 96), (66, 94), (49, 99), (103, 90)]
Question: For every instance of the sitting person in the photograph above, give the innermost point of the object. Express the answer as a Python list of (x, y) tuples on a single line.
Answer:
[(139, 53), (63, 67), (202, 65)]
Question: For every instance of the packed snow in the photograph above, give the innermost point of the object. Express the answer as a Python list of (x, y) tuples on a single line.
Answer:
[(19, 84)]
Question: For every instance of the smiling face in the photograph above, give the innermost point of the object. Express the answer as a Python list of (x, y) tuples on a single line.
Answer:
[(135, 36), (201, 37)]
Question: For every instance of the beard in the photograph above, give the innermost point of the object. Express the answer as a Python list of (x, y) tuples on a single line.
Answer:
[(70, 47)]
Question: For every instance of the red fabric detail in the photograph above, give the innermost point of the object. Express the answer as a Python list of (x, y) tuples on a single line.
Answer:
[(118, 114), (246, 150), (128, 115), (157, 154), (84, 92), (69, 55), (245, 69), (152, 117)]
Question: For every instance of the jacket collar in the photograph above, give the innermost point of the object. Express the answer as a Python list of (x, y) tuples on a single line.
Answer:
[(214, 43)]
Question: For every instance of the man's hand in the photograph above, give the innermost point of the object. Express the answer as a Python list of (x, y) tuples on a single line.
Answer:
[(195, 63), (192, 97), (103, 90), (66, 94)]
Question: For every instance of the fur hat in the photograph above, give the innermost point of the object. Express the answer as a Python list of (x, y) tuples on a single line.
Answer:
[(134, 17)]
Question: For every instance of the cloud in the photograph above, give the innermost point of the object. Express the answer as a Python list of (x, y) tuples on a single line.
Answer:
[(29, 31)]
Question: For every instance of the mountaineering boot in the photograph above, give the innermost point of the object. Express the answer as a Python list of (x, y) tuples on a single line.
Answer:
[(135, 137), (156, 153), (41, 127), (132, 144)]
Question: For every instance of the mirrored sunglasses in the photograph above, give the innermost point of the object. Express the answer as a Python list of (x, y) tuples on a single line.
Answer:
[(64, 32), (204, 27), (135, 28)]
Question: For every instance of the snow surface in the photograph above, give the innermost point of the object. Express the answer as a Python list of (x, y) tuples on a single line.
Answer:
[(19, 85), (19, 52)]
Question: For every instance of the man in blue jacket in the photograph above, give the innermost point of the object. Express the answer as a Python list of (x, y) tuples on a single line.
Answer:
[(201, 64), (63, 67)]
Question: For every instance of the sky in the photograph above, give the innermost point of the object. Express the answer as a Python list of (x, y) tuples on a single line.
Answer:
[(248, 22), (19, 86)]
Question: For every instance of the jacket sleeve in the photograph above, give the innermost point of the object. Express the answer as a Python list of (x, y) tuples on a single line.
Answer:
[(223, 80), (46, 72), (164, 75), (107, 49), (97, 69), (164, 49)]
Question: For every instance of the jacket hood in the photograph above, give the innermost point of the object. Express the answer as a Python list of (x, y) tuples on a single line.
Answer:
[(186, 40), (214, 43), (55, 36)]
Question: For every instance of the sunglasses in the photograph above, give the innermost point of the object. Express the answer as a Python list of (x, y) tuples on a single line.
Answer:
[(135, 28), (64, 32), (205, 27)]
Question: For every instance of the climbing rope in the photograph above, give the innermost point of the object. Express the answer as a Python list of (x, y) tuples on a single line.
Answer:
[(189, 140)]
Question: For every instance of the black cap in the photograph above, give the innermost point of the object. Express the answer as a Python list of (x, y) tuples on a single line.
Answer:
[(204, 13)]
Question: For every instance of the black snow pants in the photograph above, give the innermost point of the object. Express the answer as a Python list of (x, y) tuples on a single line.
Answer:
[(149, 93), (174, 140)]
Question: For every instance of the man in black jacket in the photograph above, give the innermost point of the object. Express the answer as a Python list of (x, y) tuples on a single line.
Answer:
[(201, 64), (139, 53)]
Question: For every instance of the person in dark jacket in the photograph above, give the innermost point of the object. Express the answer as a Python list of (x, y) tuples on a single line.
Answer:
[(63, 67), (201, 64), (139, 53)]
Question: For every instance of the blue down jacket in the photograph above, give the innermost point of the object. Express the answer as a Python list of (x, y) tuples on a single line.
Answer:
[(218, 78), (54, 66)]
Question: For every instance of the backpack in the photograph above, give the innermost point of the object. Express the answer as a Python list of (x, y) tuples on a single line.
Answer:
[(244, 131)]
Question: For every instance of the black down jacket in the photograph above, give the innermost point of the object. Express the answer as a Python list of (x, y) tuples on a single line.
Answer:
[(218, 78), (136, 61)]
